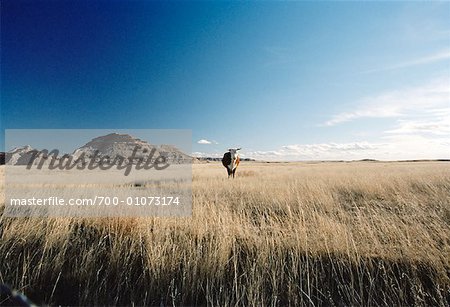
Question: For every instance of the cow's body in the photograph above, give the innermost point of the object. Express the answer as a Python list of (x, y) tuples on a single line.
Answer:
[(231, 161)]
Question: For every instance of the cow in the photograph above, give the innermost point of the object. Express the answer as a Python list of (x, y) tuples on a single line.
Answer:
[(231, 161)]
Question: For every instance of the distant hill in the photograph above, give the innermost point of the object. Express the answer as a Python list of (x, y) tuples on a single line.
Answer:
[(111, 145), (114, 144), (19, 155)]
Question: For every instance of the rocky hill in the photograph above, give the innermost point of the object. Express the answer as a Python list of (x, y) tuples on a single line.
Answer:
[(19, 155), (112, 146)]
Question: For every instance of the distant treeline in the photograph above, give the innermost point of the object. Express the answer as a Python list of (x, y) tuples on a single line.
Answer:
[(220, 159)]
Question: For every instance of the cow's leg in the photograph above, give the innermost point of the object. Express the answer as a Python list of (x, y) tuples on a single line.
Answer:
[(229, 172), (234, 171)]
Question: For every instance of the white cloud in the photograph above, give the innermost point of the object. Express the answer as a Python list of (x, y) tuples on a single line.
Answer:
[(200, 154), (204, 142), (439, 125), (207, 142), (393, 147), (324, 151), (401, 103), (439, 56), (421, 129), (406, 146), (413, 146)]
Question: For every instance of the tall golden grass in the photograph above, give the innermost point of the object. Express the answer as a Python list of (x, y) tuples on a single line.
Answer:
[(360, 233)]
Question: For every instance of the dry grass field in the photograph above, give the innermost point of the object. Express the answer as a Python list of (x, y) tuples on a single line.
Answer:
[(360, 233)]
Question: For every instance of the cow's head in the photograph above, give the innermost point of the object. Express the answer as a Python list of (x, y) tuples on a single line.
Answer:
[(234, 153)]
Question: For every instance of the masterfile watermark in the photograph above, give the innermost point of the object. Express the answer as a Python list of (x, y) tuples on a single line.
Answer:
[(102, 162), (97, 201), (98, 173)]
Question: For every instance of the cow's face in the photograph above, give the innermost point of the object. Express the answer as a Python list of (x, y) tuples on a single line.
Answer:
[(234, 153)]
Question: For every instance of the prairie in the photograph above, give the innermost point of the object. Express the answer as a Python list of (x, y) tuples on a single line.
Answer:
[(335, 233)]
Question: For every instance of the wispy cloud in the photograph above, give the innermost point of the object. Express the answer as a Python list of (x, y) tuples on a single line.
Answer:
[(439, 56), (278, 56), (400, 103), (433, 122)]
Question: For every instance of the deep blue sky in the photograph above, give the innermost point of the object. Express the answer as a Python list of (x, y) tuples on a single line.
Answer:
[(290, 80)]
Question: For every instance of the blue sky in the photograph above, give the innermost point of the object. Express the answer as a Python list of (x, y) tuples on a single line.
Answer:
[(282, 80)]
